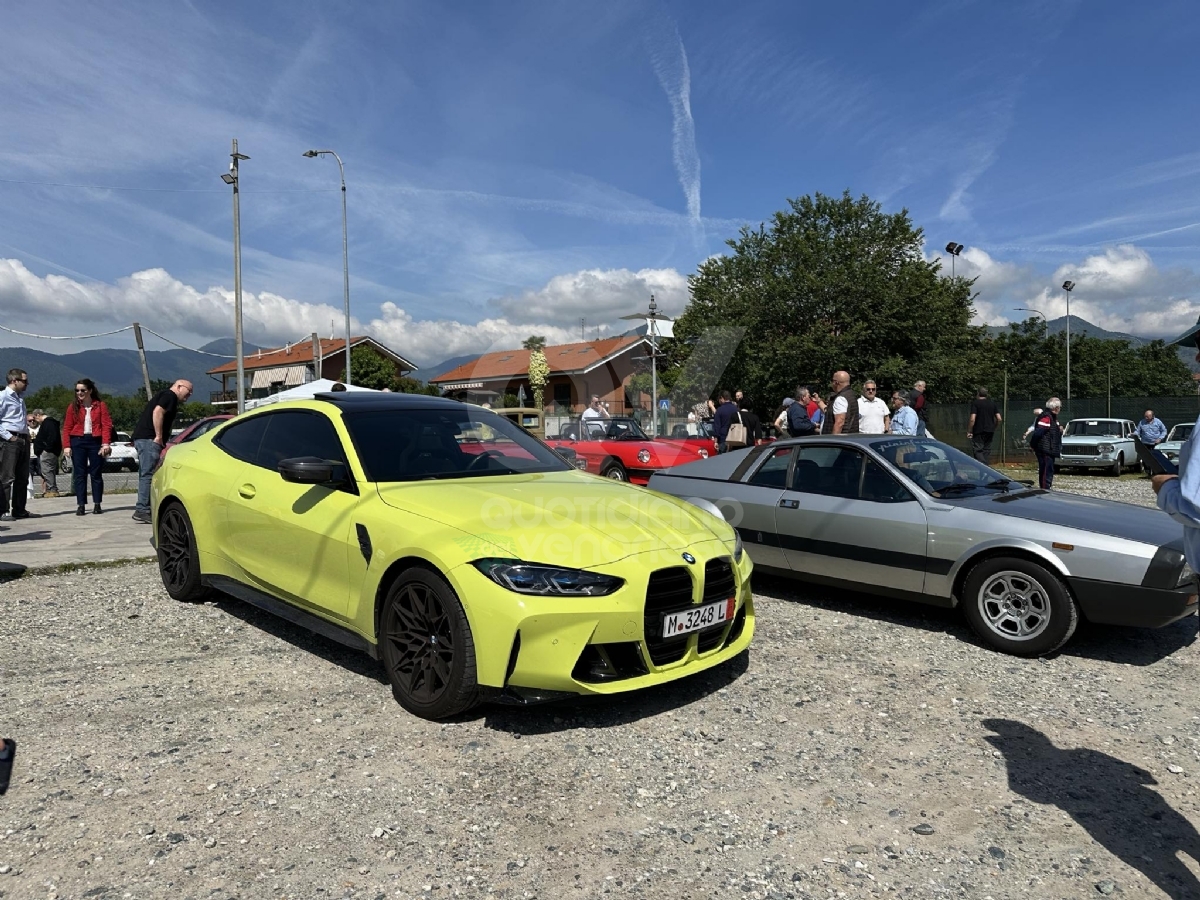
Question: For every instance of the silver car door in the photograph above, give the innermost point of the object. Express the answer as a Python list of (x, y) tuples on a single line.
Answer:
[(757, 499), (844, 517)]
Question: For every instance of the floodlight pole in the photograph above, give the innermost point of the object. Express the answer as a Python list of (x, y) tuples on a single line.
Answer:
[(1068, 286), (231, 178), (345, 251)]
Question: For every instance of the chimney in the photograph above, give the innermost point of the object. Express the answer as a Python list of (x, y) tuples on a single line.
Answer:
[(288, 349)]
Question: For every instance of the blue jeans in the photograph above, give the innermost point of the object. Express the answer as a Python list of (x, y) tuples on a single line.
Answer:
[(148, 451), (87, 463)]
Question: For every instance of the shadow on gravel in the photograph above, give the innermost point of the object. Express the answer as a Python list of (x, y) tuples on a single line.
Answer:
[(614, 709), (1105, 643), (1107, 797), (330, 650)]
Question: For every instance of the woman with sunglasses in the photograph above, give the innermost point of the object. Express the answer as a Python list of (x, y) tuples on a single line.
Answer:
[(87, 427)]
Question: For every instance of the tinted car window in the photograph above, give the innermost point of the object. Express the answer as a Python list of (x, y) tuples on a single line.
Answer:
[(829, 471), (773, 472), (242, 439), (416, 444), (292, 434)]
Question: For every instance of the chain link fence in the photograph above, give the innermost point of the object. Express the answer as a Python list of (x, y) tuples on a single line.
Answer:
[(949, 422)]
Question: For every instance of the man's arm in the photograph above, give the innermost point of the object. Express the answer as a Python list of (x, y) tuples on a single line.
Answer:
[(158, 415), (998, 419), (839, 419), (971, 425)]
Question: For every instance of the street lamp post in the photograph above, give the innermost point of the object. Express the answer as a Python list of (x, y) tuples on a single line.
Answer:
[(231, 178), (653, 317), (1045, 323), (1068, 286), (312, 154), (953, 249)]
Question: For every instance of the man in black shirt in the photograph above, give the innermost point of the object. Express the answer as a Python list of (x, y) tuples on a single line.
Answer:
[(153, 430), (47, 446), (981, 427)]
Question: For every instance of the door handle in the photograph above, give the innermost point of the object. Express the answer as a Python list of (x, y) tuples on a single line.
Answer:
[(247, 491), (790, 504)]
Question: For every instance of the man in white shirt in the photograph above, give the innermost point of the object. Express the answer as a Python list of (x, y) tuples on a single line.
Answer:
[(595, 410), (873, 415)]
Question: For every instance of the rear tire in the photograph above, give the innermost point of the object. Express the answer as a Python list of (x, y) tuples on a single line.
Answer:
[(1019, 607), (178, 558), (426, 646)]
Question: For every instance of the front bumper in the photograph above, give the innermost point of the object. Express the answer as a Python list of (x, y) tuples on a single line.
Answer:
[(1109, 603), (532, 646), (1101, 460)]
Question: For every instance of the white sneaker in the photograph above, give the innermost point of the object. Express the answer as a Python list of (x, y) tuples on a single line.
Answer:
[(5, 517)]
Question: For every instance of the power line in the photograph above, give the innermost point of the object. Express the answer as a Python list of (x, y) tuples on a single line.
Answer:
[(180, 346), (51, 337), (149, 190)]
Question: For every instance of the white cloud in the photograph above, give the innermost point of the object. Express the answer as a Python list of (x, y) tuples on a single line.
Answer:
[(190, 316)]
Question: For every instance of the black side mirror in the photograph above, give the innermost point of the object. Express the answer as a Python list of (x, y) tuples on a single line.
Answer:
[(312, 470)]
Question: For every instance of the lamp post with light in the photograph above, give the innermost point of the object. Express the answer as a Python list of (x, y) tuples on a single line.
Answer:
[(1068, 286), (652, 318), (1045, 321), (231, 179), (953, 249), (313, 154)]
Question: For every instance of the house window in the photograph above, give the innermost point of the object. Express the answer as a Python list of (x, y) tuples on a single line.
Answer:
[(562, 395)]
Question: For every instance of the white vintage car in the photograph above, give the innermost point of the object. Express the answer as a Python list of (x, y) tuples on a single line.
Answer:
[(123, 456), (1174, 443), (1098, 444)]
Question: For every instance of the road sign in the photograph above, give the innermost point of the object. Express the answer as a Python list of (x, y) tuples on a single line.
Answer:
[(664, 404)]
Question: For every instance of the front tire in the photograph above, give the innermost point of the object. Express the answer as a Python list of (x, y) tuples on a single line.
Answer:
[(178, 558), (1118, 466), (616, 472), (1019, 607), (427, 647)]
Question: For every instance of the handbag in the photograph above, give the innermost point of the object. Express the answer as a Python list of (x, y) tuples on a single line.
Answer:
[(737, 436)]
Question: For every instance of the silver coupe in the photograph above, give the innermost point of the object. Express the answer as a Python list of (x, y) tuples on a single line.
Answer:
[(913, 518)]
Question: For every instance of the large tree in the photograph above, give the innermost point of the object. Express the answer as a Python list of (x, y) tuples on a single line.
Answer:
[(832, 283)]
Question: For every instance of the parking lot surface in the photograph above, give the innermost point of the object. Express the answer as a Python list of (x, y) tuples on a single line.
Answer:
[(862, 748)]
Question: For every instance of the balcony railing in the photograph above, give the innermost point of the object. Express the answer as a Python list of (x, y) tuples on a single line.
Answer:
[(222, 397)]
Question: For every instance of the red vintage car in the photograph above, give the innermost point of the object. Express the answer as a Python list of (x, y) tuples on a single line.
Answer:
[(702, 441), (190, 433), (617, 448)]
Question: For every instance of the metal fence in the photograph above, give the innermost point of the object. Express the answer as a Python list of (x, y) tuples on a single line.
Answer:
[(949, 422)]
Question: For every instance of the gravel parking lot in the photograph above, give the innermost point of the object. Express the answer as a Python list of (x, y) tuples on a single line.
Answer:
[(862, 748)]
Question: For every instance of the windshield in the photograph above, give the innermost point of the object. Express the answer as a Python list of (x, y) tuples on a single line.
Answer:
[(1180, 433), (615, 429), (941, 471), (466, 442), (1093, 428)]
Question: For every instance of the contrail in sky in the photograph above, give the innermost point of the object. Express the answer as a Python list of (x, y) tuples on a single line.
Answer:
[(671, 67)]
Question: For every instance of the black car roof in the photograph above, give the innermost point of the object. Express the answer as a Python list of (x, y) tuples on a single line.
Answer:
[(374, 401)]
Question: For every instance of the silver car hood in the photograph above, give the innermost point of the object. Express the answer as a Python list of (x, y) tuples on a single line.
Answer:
[(1109, 517)]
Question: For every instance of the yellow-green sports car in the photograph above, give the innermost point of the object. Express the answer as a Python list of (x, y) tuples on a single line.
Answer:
[(451, 544)]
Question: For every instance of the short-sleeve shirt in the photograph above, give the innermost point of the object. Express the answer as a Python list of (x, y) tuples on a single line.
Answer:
[(169, 401), (984, 410)]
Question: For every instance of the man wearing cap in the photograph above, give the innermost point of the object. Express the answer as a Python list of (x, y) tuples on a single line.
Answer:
[(1179, 495)]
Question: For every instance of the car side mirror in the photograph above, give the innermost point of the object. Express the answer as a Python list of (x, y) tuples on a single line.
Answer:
[(312, 470)]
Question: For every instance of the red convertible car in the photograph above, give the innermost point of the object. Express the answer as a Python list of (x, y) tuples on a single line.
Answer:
[(617, 448)]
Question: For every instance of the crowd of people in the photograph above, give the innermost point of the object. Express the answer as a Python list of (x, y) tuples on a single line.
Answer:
[(32, 443)]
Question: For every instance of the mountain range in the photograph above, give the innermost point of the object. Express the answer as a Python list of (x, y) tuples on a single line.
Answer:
[(119, 371)]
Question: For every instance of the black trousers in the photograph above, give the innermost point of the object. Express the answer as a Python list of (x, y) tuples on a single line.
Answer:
[(14, 475), (981, 446), (1045, 470)]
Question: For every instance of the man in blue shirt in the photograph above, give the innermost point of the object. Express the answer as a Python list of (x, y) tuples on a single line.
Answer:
[(1179, 495), (1150, 430), (14, 446), (904, 417), (724, 417)]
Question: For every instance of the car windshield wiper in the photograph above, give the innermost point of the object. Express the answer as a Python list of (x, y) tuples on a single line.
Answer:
[(999, 483), (957, 487)]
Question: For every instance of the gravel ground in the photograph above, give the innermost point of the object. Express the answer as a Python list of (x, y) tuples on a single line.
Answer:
[(861, 748)]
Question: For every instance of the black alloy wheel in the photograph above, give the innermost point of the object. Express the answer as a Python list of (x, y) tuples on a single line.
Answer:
[(426, 646), (178, 559)]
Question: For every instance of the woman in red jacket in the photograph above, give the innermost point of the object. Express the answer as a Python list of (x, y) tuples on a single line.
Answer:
[(87, 427)]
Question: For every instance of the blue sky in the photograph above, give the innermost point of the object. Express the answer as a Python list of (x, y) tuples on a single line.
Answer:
[(513, 167)]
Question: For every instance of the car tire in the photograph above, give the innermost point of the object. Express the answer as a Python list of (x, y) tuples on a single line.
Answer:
[(178, 558), (615, 471), (426, 646), (1018, 606), (1118, 466)]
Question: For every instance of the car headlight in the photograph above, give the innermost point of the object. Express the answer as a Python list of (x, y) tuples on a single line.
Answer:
[(1105, 448), (548, 581), (1185, 576), (643, 455), (738, 549)]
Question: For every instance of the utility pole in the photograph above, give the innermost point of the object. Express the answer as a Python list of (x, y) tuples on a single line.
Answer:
[(137, 336), (316, 341), (231, 178)]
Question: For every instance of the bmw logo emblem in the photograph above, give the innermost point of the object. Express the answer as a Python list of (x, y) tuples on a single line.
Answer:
[(689, 559)]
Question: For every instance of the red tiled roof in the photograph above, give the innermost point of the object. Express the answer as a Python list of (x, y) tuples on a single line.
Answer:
[(561, 359), (301, 354)]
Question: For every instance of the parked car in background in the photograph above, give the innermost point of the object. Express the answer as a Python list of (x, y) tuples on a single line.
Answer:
[(911, 518), (701, 441), (1098, 444), (122, 458), (1174, 443), (617, 448), (190, 433)]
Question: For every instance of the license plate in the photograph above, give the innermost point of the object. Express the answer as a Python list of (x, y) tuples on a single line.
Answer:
[(697, 618)]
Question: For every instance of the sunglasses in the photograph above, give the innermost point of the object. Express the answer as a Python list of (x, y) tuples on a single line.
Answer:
[(81, 390), (869, 390)]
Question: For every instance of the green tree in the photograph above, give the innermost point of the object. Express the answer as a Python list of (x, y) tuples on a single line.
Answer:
[(371, 370), (534, 342), (406, 385), (539, 373), (833, 283)]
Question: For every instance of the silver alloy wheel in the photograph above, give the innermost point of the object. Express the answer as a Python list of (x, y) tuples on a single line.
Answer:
[(615, 472), (1014, 605)]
